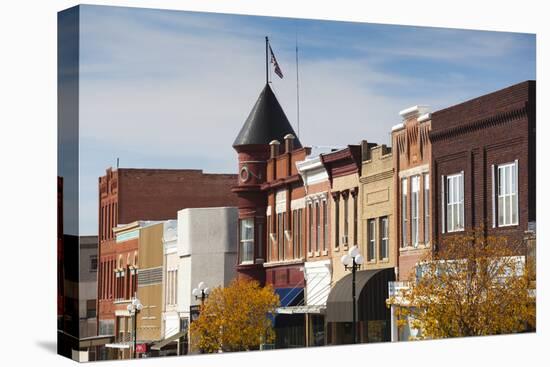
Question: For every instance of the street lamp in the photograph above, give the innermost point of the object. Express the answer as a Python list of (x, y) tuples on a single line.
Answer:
[(133, 308), (201, 292), (352, 261)]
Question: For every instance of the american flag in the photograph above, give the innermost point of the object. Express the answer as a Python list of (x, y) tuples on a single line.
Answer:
[(275, 64)]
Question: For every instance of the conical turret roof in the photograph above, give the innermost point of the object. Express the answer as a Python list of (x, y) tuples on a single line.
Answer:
[(267, 121)]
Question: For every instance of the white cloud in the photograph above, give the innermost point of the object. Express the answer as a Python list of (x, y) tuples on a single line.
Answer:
[(180, 86)]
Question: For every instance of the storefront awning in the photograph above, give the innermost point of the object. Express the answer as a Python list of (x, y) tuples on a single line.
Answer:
[(94, 341), (371, 294), (310, 309), (118, 345), (165, 342)]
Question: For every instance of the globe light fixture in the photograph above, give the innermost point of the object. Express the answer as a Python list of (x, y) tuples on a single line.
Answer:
[(201, 292)]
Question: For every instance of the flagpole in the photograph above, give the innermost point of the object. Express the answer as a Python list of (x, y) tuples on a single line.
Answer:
[(297, 88), (266, 61)]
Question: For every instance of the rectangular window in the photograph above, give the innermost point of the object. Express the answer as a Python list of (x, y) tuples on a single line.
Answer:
[(415, 196), (310, 226), (247, 240), (404, 212), (507, 194), (455, 202), (355, 239), (371, 251), (300, 232), (285, 240), (280, 236), (93, 263), (325, 225), (346, 219), (426, 208), (318, 225), (90, 308), (260, 241), (384, 238), (295, 234), (336, 223), (269, 241)]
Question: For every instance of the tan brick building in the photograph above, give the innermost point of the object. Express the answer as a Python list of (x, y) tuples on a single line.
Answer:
[(377, 204), (344, 168)]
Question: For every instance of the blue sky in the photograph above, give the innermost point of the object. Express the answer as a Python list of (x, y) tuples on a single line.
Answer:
[(171, 89)]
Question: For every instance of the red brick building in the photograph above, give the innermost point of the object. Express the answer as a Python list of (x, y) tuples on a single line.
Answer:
[(262, 170), (127, 195), (412, 155), (483, 158), (272, 210)]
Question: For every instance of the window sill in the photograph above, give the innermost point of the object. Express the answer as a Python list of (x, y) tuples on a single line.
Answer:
[(506, 225), (324, 252), (246, 262)]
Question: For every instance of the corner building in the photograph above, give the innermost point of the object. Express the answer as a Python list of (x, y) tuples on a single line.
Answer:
[(272, 211)]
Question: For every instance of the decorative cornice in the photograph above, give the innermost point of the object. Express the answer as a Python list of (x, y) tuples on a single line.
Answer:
[(281, 182), (377, 176), (469, 127)]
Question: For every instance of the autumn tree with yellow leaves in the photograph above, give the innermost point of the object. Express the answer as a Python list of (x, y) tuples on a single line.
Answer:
[(475, 284), (235, 318)]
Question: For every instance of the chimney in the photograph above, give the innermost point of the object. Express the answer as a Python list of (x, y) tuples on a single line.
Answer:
[(274, 146), (289, 142)]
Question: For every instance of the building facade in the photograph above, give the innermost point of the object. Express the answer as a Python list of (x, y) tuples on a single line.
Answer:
[(124, 270), (343, 169), (266, 122), (377, 203), (412, 181), (171, 323), (207, 252), (128, 195), (483, 154), (151, 284), (87, 289), (318, 265), (286, 217)]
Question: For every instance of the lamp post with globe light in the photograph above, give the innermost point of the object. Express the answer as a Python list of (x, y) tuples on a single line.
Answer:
[(201, 292), (352, 261), (133, 309)]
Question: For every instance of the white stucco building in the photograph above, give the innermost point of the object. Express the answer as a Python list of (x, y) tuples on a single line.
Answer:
[(207, 252)]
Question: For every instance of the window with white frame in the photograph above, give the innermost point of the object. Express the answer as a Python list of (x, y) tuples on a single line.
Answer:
[(455, 202), (403, 212), (371, 250), (415, 200), (426, 208), (384, 238), (269, 237), (318, 225), (171, 286), (280, 237), (325, 225), (507, 194), (247, 240), (311, 228)]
